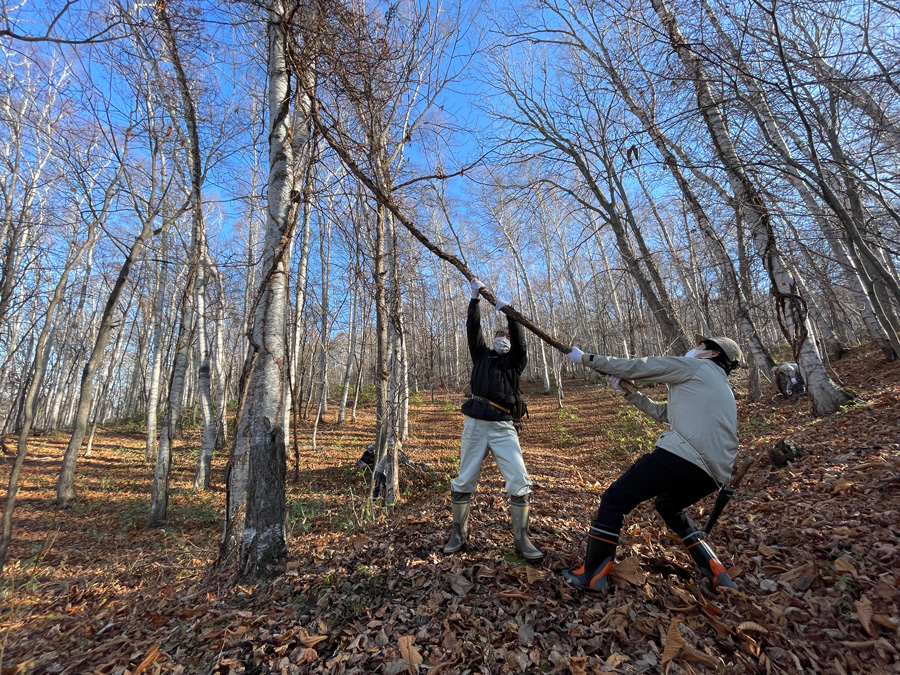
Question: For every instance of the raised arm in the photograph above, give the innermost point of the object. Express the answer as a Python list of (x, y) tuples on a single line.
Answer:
[(473, 323)]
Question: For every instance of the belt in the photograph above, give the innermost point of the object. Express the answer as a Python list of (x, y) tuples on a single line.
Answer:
[(490, 402)]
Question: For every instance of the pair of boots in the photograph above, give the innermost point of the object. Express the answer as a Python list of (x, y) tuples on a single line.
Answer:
[(601, 552), (519, 510)]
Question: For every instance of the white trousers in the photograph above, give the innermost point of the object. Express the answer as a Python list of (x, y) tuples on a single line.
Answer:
[(500, 439)]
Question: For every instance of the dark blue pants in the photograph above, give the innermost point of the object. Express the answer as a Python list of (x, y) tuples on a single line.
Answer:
[(675, 483)]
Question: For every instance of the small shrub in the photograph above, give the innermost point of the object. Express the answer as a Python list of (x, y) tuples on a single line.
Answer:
[(367, 395)]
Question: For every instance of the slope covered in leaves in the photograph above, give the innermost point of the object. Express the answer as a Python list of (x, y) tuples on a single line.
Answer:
[(813, 547)]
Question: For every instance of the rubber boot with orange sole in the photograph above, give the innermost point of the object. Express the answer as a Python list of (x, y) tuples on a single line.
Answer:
[(593, 575), (710, 566)]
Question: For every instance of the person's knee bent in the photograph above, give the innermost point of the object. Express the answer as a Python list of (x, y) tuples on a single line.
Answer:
[(675, 519), (614, 506)]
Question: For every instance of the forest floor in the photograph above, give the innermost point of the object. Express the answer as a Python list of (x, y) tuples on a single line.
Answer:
[(814, 548)]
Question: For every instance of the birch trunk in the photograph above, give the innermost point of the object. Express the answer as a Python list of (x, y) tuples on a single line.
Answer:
[(159, 496), (162, 274), (208, 444), (190, 141), (254, 540), (65, 485), (31, 392), (348, 364), (221, 374), (302, 148), (382, 376)]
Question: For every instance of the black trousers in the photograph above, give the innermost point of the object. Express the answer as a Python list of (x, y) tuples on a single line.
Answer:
[(675, 483)]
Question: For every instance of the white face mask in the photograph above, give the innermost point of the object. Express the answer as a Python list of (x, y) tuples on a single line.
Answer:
[(699, 354), (501, 345)]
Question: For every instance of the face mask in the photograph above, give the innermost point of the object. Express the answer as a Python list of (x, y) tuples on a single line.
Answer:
[(501, 345), (699, 354)]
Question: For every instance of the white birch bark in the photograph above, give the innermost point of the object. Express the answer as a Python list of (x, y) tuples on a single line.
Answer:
[(255, 540), (220, 365), (772, 131), (41, 351), (159, 494), (156, 352), (351, 354)]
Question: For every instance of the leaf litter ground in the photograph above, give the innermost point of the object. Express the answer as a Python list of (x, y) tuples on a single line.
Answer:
[(812, 546)]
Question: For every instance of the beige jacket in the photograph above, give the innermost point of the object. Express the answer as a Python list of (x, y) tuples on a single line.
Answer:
[(700, 412)]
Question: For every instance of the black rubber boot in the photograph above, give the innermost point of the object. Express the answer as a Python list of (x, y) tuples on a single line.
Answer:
[(520, 512), (702, 553), (459, 502), (598, 560)]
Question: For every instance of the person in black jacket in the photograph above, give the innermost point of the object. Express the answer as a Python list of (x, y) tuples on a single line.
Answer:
[(488, 427)]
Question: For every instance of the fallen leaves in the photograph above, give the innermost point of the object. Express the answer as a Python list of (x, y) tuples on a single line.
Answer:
[(409, 652), (629, 570), (308, 640), (678, 648), (812, 547), (844, 564), (801, 577)]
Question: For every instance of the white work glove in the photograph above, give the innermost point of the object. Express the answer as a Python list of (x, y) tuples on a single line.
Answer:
[(615, 383), (575, 355), (500, 304), (476, 286), (793, 380)]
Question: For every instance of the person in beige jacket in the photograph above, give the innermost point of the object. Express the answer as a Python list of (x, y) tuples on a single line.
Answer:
[(693, 457)]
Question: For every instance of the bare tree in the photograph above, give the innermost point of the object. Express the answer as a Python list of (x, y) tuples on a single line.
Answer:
[(99, 213), (825, 395), (254, 542)]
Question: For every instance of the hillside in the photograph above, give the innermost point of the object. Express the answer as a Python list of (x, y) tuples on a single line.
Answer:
[(814, 548)]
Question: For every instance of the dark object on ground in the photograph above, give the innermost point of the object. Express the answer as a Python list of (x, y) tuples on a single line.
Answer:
[(784, 452), (367, 464), (367, 461)]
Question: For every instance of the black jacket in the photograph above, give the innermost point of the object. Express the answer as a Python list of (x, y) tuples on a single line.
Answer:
[(494, 376)]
